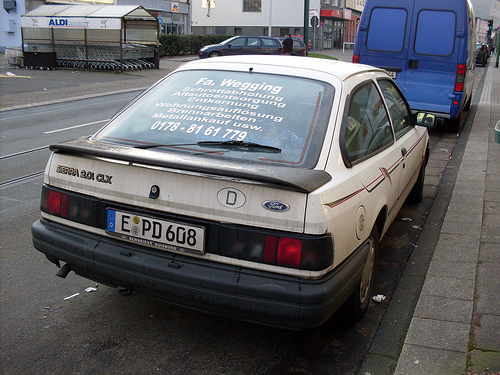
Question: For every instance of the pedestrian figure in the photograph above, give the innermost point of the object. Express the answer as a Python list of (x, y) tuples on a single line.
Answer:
[(287, 45)]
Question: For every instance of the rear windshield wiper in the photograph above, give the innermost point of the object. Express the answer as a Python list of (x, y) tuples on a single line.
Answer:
[(159, 145), (147, 146), (248, 146)]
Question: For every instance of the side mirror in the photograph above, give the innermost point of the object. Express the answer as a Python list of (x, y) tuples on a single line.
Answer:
[(424, 119)]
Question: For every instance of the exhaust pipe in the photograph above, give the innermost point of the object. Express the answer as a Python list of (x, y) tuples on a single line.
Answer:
[(63, 272)]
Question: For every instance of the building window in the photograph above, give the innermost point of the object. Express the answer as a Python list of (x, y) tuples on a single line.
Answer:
[(252, 5)]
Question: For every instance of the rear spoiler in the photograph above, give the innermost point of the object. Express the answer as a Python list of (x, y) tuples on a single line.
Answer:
[(295, 179)]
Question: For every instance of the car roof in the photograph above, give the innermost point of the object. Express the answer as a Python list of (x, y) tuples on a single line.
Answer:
[(341, 70), (254, 36)]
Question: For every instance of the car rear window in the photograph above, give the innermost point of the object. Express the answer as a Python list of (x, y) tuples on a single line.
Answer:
[(262, 118), (269, 42), (435, 33), (387, 29)]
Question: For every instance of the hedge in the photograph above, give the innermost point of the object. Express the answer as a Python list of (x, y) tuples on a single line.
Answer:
[(174, 45)]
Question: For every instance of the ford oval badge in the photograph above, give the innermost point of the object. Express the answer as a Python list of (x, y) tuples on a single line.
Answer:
[(276, 206)]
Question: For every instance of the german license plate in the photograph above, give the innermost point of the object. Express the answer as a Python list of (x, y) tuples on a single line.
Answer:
[(149, 231), (392, 74)]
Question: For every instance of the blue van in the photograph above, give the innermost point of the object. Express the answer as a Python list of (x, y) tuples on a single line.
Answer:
[(428, 47)]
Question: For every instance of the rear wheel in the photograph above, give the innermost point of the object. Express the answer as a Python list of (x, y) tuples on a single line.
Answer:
[(357, 304)]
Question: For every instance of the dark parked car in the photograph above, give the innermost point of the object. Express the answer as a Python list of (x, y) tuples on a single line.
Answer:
[(482, 54), (301, 37), (299, 48), (243, 45)]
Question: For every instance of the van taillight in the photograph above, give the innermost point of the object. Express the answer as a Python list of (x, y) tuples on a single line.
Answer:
[(75, 207), (355, 59), (460, 77)]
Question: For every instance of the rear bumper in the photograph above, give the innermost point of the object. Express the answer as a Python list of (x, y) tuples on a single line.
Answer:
[(452, 111), (232, 291)]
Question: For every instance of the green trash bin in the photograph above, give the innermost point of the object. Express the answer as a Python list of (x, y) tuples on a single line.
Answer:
[(497, 132)]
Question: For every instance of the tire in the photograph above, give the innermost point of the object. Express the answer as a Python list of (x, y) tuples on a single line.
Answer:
[(214, 54), (455, 124), (417, 192), (468, 105), (357, 304)]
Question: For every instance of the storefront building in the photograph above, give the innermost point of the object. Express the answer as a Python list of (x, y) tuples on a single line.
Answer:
[(249, 17), (174, 16), (339, 23)]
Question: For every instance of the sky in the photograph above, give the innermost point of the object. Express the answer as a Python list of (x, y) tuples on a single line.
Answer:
[(487, 9)]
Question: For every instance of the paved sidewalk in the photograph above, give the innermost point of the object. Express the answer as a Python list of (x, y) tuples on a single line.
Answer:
[(455, 328)]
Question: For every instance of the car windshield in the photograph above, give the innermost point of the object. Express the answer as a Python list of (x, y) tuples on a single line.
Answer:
[(262, 118)]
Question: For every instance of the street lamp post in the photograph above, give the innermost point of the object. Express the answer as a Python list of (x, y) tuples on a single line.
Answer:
[(270, 17), (306, 25)]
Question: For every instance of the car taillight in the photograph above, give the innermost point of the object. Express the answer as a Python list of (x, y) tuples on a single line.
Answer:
[(270, 249), (460, 77), (355, 59), (287, 250), (282, 251), (57, 203), (75, 207)]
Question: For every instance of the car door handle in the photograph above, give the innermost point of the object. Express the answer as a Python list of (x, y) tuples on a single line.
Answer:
[(413, 64), (403, 151)]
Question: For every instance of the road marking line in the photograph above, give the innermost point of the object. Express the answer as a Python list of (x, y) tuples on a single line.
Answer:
[(74, 127), (12, 76)]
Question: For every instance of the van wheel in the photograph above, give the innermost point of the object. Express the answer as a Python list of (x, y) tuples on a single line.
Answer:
[(417, 192), (357, 304), (467, 106), (455, 124)]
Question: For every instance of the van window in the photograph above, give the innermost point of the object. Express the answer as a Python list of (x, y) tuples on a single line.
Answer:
[(385, 35), (367, 129), (435, 33)]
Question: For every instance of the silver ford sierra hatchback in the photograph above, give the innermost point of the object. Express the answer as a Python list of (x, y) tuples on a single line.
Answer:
[(255, 187)]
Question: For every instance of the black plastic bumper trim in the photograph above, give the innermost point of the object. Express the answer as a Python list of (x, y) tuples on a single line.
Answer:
[(241, 293)]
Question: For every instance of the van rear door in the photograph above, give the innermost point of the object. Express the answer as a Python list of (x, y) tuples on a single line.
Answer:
[(433, 55), (383, 36)]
